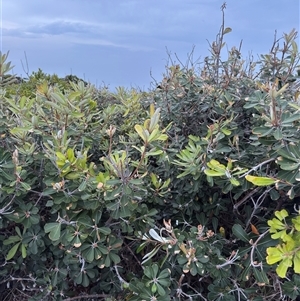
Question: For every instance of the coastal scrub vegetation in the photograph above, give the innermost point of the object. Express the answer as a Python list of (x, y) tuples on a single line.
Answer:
[(189, 191)]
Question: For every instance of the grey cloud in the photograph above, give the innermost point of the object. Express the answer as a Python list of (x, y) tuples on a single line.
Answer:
[(60, 28)]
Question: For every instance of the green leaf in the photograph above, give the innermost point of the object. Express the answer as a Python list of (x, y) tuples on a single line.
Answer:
[(261, 181), (154, 152), (25, 185), (240, 233), (82, 186), (148, 272), (290, 119), (164, 274), (89, 254), (277, 134), (153, 288), (160, 290), (115, 258), (23, 251), (54, 229), (105, 230), (11, 239), (85, 280), (262, 131), (260, 277), (11, 253)]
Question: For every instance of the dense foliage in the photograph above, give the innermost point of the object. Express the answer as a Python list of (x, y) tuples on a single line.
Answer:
[(186, 192)]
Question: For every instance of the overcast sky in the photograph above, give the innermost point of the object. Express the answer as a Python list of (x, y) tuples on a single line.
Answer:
[(120, 42)]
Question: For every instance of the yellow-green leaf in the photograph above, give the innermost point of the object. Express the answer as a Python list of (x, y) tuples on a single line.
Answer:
[(226, 132), (297, 262), (142, 133), (261, 181), (152, 109), (283, 266), (61, 156), (162, 137), (72, 175), (213, 173), (234, 182), (70, 155), (215, 165), (154, 120), (154, 134), (282, 214), (274, 255)]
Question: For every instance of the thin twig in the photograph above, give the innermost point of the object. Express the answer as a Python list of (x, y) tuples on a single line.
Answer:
[(86, 297), (256, 167)]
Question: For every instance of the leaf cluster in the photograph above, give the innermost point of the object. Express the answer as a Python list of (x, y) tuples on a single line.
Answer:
[(164, 195)]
